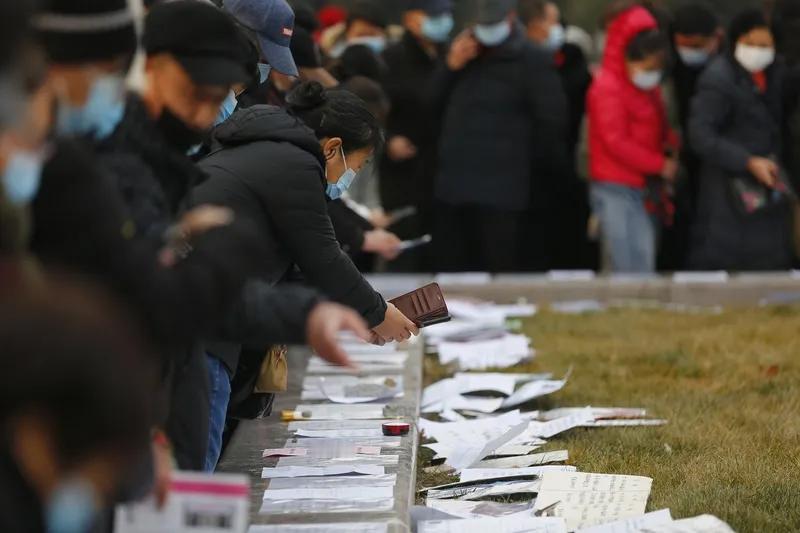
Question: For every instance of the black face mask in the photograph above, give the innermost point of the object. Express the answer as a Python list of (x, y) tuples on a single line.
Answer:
[(177, 133)]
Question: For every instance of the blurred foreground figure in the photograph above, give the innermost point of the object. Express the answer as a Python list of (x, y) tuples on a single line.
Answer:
[(503, 123), (743, 210), (75, 408), (629, 138)]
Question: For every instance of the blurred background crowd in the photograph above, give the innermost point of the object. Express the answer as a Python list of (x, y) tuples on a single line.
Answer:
[(186, 186)]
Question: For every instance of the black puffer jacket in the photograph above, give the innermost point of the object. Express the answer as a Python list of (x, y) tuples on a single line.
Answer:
[(730, 122), (267, 166), (504, 125)]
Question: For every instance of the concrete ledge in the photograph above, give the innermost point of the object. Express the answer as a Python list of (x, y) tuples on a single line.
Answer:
[(244, 454), (738, 290)]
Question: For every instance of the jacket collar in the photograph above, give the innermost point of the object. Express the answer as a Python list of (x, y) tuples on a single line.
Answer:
[(139, 134)]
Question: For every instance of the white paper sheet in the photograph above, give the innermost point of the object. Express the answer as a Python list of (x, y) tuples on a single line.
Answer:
[(385, 460), (483, 429), (525, 461), (495, 525), (316, 471), (586, 499), (625, 423), (348, 527), (468, 509), (339, 433), (485, 490), (382, 387), (599, 413), (342, 412), (382, 480), (458, 402), (632, 525), (320, 445), (699, 524), (571, 275), (331, 493), (510, 450), (469, 454), (555, 427), (363, 392), (478, 474), (534, 389), (688, 278), (499, 353)]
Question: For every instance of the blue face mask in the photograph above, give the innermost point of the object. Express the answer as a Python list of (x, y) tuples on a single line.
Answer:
[(22, 176), (556, 37), (263, 72), (375, 43), (693, 57), (437, 29), (493, 34), (337, 190), (72, 508), (100, 115), (227, 109)]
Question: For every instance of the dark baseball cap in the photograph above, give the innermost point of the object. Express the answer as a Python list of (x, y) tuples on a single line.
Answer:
[(430, 7), (273, 23), (493, 11), (202, 38)]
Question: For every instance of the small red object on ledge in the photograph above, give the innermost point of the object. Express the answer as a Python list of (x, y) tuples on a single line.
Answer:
[(396, 429)]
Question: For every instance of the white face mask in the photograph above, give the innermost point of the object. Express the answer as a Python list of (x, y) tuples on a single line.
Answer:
[(647, 80), (754, 58)]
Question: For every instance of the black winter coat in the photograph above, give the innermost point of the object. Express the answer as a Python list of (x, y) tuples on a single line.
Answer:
[(504, 124), (730, 122), (410, 182), (267, 166)]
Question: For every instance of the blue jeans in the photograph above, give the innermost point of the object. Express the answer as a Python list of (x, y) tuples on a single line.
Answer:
[(220, 394), (627, 230)]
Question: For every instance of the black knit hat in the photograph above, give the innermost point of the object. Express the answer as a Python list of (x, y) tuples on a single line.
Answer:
[(82, 31)]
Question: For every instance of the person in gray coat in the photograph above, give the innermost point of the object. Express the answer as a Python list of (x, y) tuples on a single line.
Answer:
[(743, 220)]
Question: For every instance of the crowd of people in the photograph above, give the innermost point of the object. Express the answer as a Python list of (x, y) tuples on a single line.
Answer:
[(183, 193)]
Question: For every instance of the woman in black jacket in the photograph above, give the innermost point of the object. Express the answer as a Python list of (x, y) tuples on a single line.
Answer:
[(743, 211), (275, 167)]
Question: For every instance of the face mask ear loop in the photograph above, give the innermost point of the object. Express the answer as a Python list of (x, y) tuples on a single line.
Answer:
[(344, 158)]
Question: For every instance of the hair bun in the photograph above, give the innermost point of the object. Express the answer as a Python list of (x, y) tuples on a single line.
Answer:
[(307, 95)]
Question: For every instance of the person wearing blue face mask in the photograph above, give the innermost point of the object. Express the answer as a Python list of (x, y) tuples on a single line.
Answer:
[(697, 39), (74, 408), (280, 169), (503, 114), (407, 167), (563, 220)]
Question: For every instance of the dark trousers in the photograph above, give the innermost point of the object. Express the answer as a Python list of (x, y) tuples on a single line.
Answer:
[(187, 424), (473, 238)]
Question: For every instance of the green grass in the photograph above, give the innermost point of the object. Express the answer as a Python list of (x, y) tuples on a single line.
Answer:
[(729, 385)]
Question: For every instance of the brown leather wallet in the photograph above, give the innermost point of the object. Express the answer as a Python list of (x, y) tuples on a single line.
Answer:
[(425, 306)]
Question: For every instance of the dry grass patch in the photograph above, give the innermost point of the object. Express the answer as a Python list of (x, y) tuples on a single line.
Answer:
[(729, 385)]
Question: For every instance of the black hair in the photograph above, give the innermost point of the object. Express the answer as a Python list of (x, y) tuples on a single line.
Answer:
[(646, 44), (745, 22), (372, 94), (695, 18), (359, 60), (368, 11), (529, 10), (335, 113), (69, 356)]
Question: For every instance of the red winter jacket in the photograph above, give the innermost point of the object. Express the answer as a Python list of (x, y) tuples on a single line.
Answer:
[(628, 129)]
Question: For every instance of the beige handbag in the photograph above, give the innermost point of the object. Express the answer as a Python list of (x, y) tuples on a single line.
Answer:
[(274, 374)]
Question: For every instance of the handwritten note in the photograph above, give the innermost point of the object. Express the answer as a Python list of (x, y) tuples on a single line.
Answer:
[(585, 499)]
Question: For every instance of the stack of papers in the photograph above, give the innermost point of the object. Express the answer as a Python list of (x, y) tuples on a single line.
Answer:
[(352, 389), (503, 352)]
